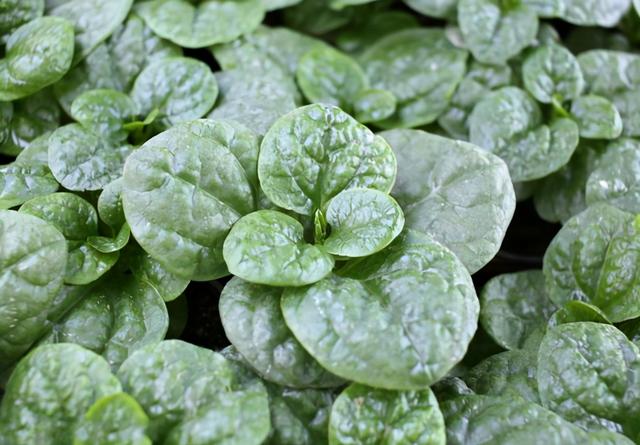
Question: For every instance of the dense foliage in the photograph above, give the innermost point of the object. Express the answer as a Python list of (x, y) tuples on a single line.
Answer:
[(335, 171)]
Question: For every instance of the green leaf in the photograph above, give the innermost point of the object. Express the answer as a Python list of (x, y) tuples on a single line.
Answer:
[(80, 159), (326, 75), (479, 80), (53, 387), (255, 101), (116, 317), (299, 416), (513, 306), (421, 68), (373, 105), (168, 285), (615, 75), (508, 123), (93, 20), (116, 419), (202, 24), (268, 247), (33, 255), (434, 8), (37, 54), (616, 178), (28, 176), (597, 117), (588, 373), (362, 222), (606, 13), (313, 153), (316, 17), (105, 112), (454, 191), (31, 118), (552, 72), (181, 88), (507, 373), (253, 322), (106, 244), (496, 30), (593, 259), (575, 310), (110, 205), (183, 190), (115, 63), (271, 5), (194, 396), (77, 220), (561, 195), (385, 312), (485, 420), (14, 13), (363, 415)]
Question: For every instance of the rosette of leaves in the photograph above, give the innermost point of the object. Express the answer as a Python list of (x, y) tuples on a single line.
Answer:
[(320, 164)]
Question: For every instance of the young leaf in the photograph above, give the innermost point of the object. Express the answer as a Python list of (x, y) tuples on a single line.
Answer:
[(313, 153), (389, 417), (597, 117), (268, 247), (362, 222)]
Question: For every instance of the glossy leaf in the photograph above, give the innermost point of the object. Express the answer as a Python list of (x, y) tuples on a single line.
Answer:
[(168, 285), (182, 192), (77, 220), (193, 396), (378, 24), (597, 117), (420, 68), (588, 373), (434, 8), (268, 247), (363, 415), (313, 153), (508, 123), (106, 112), (181, 89), (507, 373), (202, 24), (374, 105), (561, 195), (328, 76), (593, 259), (552, 74), (117, 316), (80, 159), (33, 255), (362, 222), (616, 178), (34, 393), (254, 324), (495, 30), (14, 13), (454, 191), (37, 54), (115, 419), (484, 420), (382, 313)]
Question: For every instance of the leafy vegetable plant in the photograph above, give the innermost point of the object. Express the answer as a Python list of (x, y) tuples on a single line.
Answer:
[(308, 222)]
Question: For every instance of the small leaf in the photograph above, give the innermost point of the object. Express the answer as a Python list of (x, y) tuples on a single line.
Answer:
[(267, 247), (362, 222)]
